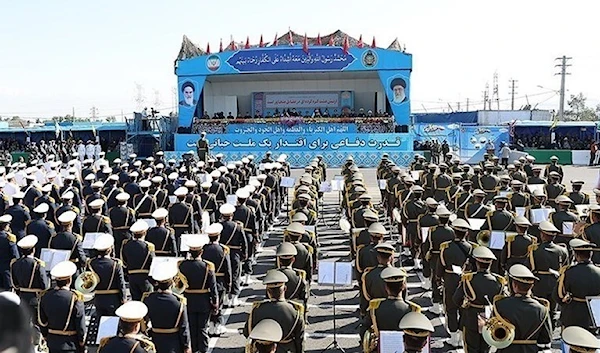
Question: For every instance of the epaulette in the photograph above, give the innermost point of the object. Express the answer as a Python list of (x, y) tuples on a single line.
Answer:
[(118, 261), (466, 277), (76, 210), (106, 219), (489, 213), (445, 245), (298, 306), (226, 249), (40, 262), (310, 249), (414, 306), (124, 242), (503, 281), (151, 246), (475, 245), (78, 236), (131, 210), (11, 237), (12, 261), (301, 273), (258, 303), (146, 343), (182, 299), (28, 222), (78, 295), (210, 265), (510, 238), (374, 303), (543, 301), (498, 297), (145, 295), (104, 341), (50, 224), (26, 208), (563, 269), (51, 199)]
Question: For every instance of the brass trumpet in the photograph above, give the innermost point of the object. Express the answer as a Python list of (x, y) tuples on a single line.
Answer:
[(483, 238)]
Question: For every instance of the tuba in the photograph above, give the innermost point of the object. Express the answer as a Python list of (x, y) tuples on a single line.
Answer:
[(86, 282), (344, 225), (498, 332), (370, 341), (483, 238), (396, 216), (180, 283)]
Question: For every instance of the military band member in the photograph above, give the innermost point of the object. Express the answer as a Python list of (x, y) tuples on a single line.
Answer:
[(554, 167), (385, 313), (122, 218), (575, 284), (296, 286), (477, 209), (61, 314), (518, 198), (67, 205), (546, 260), (366, 256), (265, 336), (553, 188), (535, 178), (31, 192), (201, 293), (167, 314), (8, 251), (28, 273), (161, 236), (373, 286), (517, 248), (498, 220), (181, 215), (411, 212), (65, 239), (578, 197), (303, 259), (533, 331), (219, 255), (144, 203), (361, 236), (131, 315), (489, 182), (426, 221), (417, 329), (245, 216), (96, 195), (303, 200), (20, 215), (454, 254), (208, 203), (160, 195), (96, 222), (233, 237), (562, 215), (580, 340), (41, 227), (391, 191), (591, 231), (472, 296), (289, 314), (441, 183), (137, 256), (463, 198), (110, 292)]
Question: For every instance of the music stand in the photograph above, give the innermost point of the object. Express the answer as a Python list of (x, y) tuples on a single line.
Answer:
[(335, 273)]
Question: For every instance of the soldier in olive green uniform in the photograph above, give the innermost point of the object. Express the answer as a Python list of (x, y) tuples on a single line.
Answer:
[(464, 197), (578, 197), (441, 183), (591, 232), (265, 336), (417, 328), (518, 198), (489, 182), (289, 314), (529, 315), (129, 340), (498, 220), (472, 296), (411, 212), (554, 167), (385, 313), (575, 283), (554, 189), (296, 287), (427, 221), (518, 248), (366, 256), (562, 215), (373, 286)]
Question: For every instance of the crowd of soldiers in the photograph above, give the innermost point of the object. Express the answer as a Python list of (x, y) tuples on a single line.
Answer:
[(133, 212)]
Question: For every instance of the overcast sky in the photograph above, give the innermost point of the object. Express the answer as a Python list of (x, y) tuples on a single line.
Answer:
[(59, 55)]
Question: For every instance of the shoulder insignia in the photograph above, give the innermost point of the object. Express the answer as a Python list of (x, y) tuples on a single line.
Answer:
[(374, 303), (414, 306), (467, 276), (210, 265), (510, 238), (182, 299), (118, 261), (51, 199), (104, 341), (151, 246), (301, 273), (444, 245), (26, 208), (498, 297), (489, 213), (11, 237), (50, 224), (78, 295), (27, 222), (298, 306), (78, 236), (106, 219), (12, 261), (473, 244), (501, 279), (226, 249), (76, 210), (145, 295), (147, 344), (543, 301)]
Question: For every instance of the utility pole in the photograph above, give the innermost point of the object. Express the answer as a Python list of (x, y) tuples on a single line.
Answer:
[(563, 73), (512, 93), (467, 104), (495, 92), (93, 113), (457, 106), (485, 96)]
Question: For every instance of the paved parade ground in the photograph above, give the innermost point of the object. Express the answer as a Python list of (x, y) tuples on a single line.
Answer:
[(335, 245)]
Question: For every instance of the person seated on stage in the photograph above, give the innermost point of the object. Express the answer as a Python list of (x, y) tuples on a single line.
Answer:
[(247, 116), (361, 113), (229, 116), (326, 113)]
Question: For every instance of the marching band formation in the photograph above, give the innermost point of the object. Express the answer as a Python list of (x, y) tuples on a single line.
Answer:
[(509, 253)]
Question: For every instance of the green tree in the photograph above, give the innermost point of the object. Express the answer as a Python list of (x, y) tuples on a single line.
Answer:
[(579, 111)]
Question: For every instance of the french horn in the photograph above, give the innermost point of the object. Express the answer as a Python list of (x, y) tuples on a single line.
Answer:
[(180, 283), (483, 238), (370, 341), (86, 282), (498, 333)]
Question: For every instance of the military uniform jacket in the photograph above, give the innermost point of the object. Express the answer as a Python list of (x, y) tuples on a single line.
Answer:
[(472, 291), (288, 314), (44, 230), (519, 175), (591, 233), (499, 220), (373, 286), (233, 236), (168, 315), (61, 316), (441, 184), (554, 168), (455, 252), (489, 183), (579, 198), (411, 212), (427, 221), (476, 210), (559, 217), (121, 218), (111, 191), (64, 208), (28, 276), (201, 294), (163, 239), (126, 344), (180, 216), (161, 197), (517, 250), (208, 202), (31, 193), (95, 196), (296, 287), (72, 242), (96, 223), (518, 199), (247, 218), (578, 282), (76, 194), (304, 259), (547, 256), (553, 191), (218, 255), (310, 214), (218, 190), (144, 205), (438, 235), (461, 201), (358, 220), (137, 255), (112, 278), (535, 180), (531, 318), (20, 216), (385, 314)]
